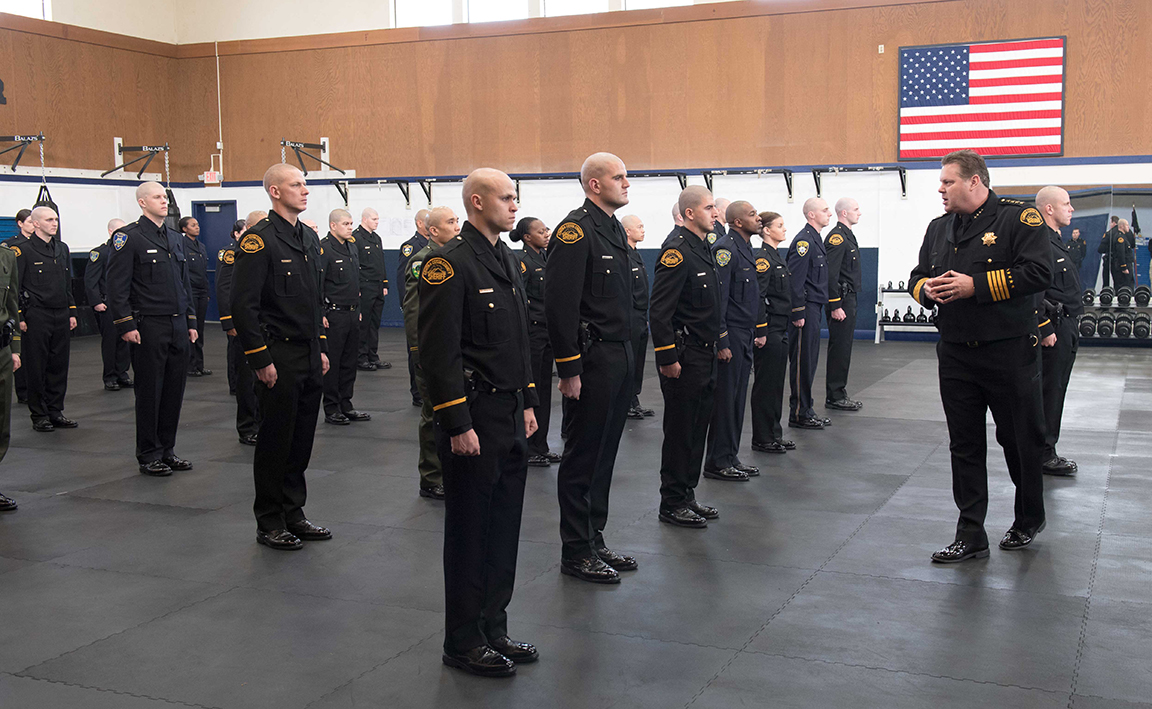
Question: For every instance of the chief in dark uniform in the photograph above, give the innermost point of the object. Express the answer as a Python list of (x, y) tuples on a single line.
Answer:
[(1059, 316), (277, 308), (373, 288), (740, 313), (983, 264), (341, 293), (588, 303), (771, 360), (48, 313), (685, 321), (1077, 249), (151, 302), (241, 377), (533, 259), (114, 352), (475, 354), (844, 282), (807, 264), (9, 351), (634, 231), (197, 257), (408, 249), (26, 230)]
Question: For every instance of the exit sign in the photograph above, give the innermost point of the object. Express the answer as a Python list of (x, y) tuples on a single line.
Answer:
[(212, 177)]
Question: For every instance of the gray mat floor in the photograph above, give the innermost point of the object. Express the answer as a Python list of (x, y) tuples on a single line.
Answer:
[(813, 589)]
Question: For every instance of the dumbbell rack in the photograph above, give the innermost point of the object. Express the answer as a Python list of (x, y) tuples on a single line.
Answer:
[(882, 326), (1097, 309)]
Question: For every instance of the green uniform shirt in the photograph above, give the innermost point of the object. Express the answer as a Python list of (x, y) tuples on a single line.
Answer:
[(411, 304), (9, 309)]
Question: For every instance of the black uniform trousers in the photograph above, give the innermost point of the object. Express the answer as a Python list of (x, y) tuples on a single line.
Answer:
[(343, 339), (730, 400), (840, 336), (1121, 279), (640, 353), (232, 365), (20, 383), (542, 364), (771, 364), (196, 355), (688, 403), (247, 408), (1004, 376), (483, 499), (1057, 366), (284, 444), (161, 365), (44, 353), (803, 356), (114, 351), (372, 308), (1106, 269), (595, 423)]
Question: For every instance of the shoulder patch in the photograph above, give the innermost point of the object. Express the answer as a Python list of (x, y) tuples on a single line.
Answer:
[(406, 250), (119, 239), (802, 247), (15, 250), (229, 257), (523, 268), (711, 237), (672, 258), (220, 254), (835, 240), (251, 243), (437, 270), (416, 268), (723, 256), (1031, 217), (569, 232), (93, 256), (762, 265)]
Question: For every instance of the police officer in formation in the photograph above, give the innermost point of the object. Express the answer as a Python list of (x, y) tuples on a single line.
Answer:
[(150, 297), (1121, 248), (373, 288), (114, 352), (9, 351), (242, 378), (809, 269), (443, 227), (197, 257), (533, 259), (685, 321), (409, 249), (1077, 249), (474, 351), (277, 309), (771, 360), (1059, 336), (1105, 248), (341, 294), (634, 231), (48, 313), (740, 313), (844, 282), (26, 229), (983, 263), (588, 303)]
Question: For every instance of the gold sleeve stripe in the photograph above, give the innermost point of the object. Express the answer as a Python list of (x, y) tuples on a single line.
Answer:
[(834, 300), (225, 317), (763, 324), (532, 385), (997, 286), (446, 404), (413, 349), (1045, 322), (724, 334), (323, 337), (261, 348), (665, 347), (798, 310), (916, 290), (117, 322), (71, 307), (1002, 285), (568, 359)]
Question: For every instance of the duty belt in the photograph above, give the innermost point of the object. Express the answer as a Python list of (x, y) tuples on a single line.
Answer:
[(342, 308), (687, 338)]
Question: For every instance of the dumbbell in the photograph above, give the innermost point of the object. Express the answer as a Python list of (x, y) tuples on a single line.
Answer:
[(1124, 325), (922, 317), (908, 316), (1106, 295), (1143, 295), (1142, 325), (1124, 297), (1089, 297), (1105, 324), (1087, 325), (885, 317), (932, 316)]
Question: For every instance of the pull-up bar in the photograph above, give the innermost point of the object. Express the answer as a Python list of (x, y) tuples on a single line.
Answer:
[(149, 151), (22, 142), (298, 148)]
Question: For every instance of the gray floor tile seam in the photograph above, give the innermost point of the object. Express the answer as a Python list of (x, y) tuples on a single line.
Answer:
[(141, 624), (903, 579), (422, 640), (646, 638), (1127, 703), (79, 492), (117, 692)]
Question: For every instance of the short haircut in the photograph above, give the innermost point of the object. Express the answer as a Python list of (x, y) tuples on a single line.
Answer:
[(1115, 219), (422, 216), (239, 226), (693, 196), (42, 212), (844, 203), (116, 223), (736, 210), (1049, 195), (337, 215), (254, 217), (184, 222), (148, 188), (810, 205), (276, 174), (438, 215), (766, 218), (23, 214), (596, 166), (368, 212), (630, 219), (969, 163)]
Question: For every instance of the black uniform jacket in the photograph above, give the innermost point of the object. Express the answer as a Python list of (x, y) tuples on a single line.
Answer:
[(809, 268), (1062, 299), (341, 264), (843, 257), (147, 275), (276, 292), (640, 296), (197, 257), (588, 281), (45, 280), (225, 262), (407, 250), (1078, 249), (775, 284), (473, 326), (739, 290), (95, 274), (1004, 248), (373, 272), (1121, 249), (532, 263), (685, 297)]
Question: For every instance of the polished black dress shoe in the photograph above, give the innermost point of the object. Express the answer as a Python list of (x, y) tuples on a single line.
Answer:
[(366, 366), (538, 461), (64, 423), (7, 504), (683, 517), (436, 492), (635, 413), (382, 365), (193, 372), (648, 413), (749, 470), (844, 405), (337, 419), (773, 447), (126, 383), (788, 445), (958, 551), (592, 570), (517, 652), (355, 415), (309, 532), (703, 510), (620, 562), (249, 440), (553, 457), (44, 426), (280, 539), (812, 423), (205, 372), (826, 421), (1016, 538), (177, 463), (156, 469), (482, 661), (1059, 466), (112, 386), (729, 474)]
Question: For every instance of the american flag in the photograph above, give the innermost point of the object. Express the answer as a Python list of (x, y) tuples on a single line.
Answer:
[(997, 98)]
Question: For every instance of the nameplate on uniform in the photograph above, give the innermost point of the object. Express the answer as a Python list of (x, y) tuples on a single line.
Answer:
[(485, 290), (607, 257), (152, 251), (285, 260)]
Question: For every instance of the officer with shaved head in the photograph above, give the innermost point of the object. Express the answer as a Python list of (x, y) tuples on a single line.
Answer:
[(341, 263), (844, 282), (114, 351), (806, 263), (373, 288)]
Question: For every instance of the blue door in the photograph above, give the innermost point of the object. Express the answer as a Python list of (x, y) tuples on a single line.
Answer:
[(216, 220)]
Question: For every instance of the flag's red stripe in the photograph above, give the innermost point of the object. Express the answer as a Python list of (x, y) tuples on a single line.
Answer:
[(1017, 80), (1015, 98), (1015, 63), (954, 117), (1016, 46), (977, 134), (1004, 150)]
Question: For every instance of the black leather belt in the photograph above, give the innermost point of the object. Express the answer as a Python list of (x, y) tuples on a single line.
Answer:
[(342, 308)]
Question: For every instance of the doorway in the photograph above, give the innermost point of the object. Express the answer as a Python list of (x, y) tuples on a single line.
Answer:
[(216, 220)]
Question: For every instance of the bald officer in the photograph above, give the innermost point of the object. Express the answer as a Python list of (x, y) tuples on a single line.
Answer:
[(407, 250), (806, 263), (114, 352), (341, 293), (844, 282), (373, 288)]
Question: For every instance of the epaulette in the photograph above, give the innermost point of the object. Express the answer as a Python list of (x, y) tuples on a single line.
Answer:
[(1014, 202), (259, 226)]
